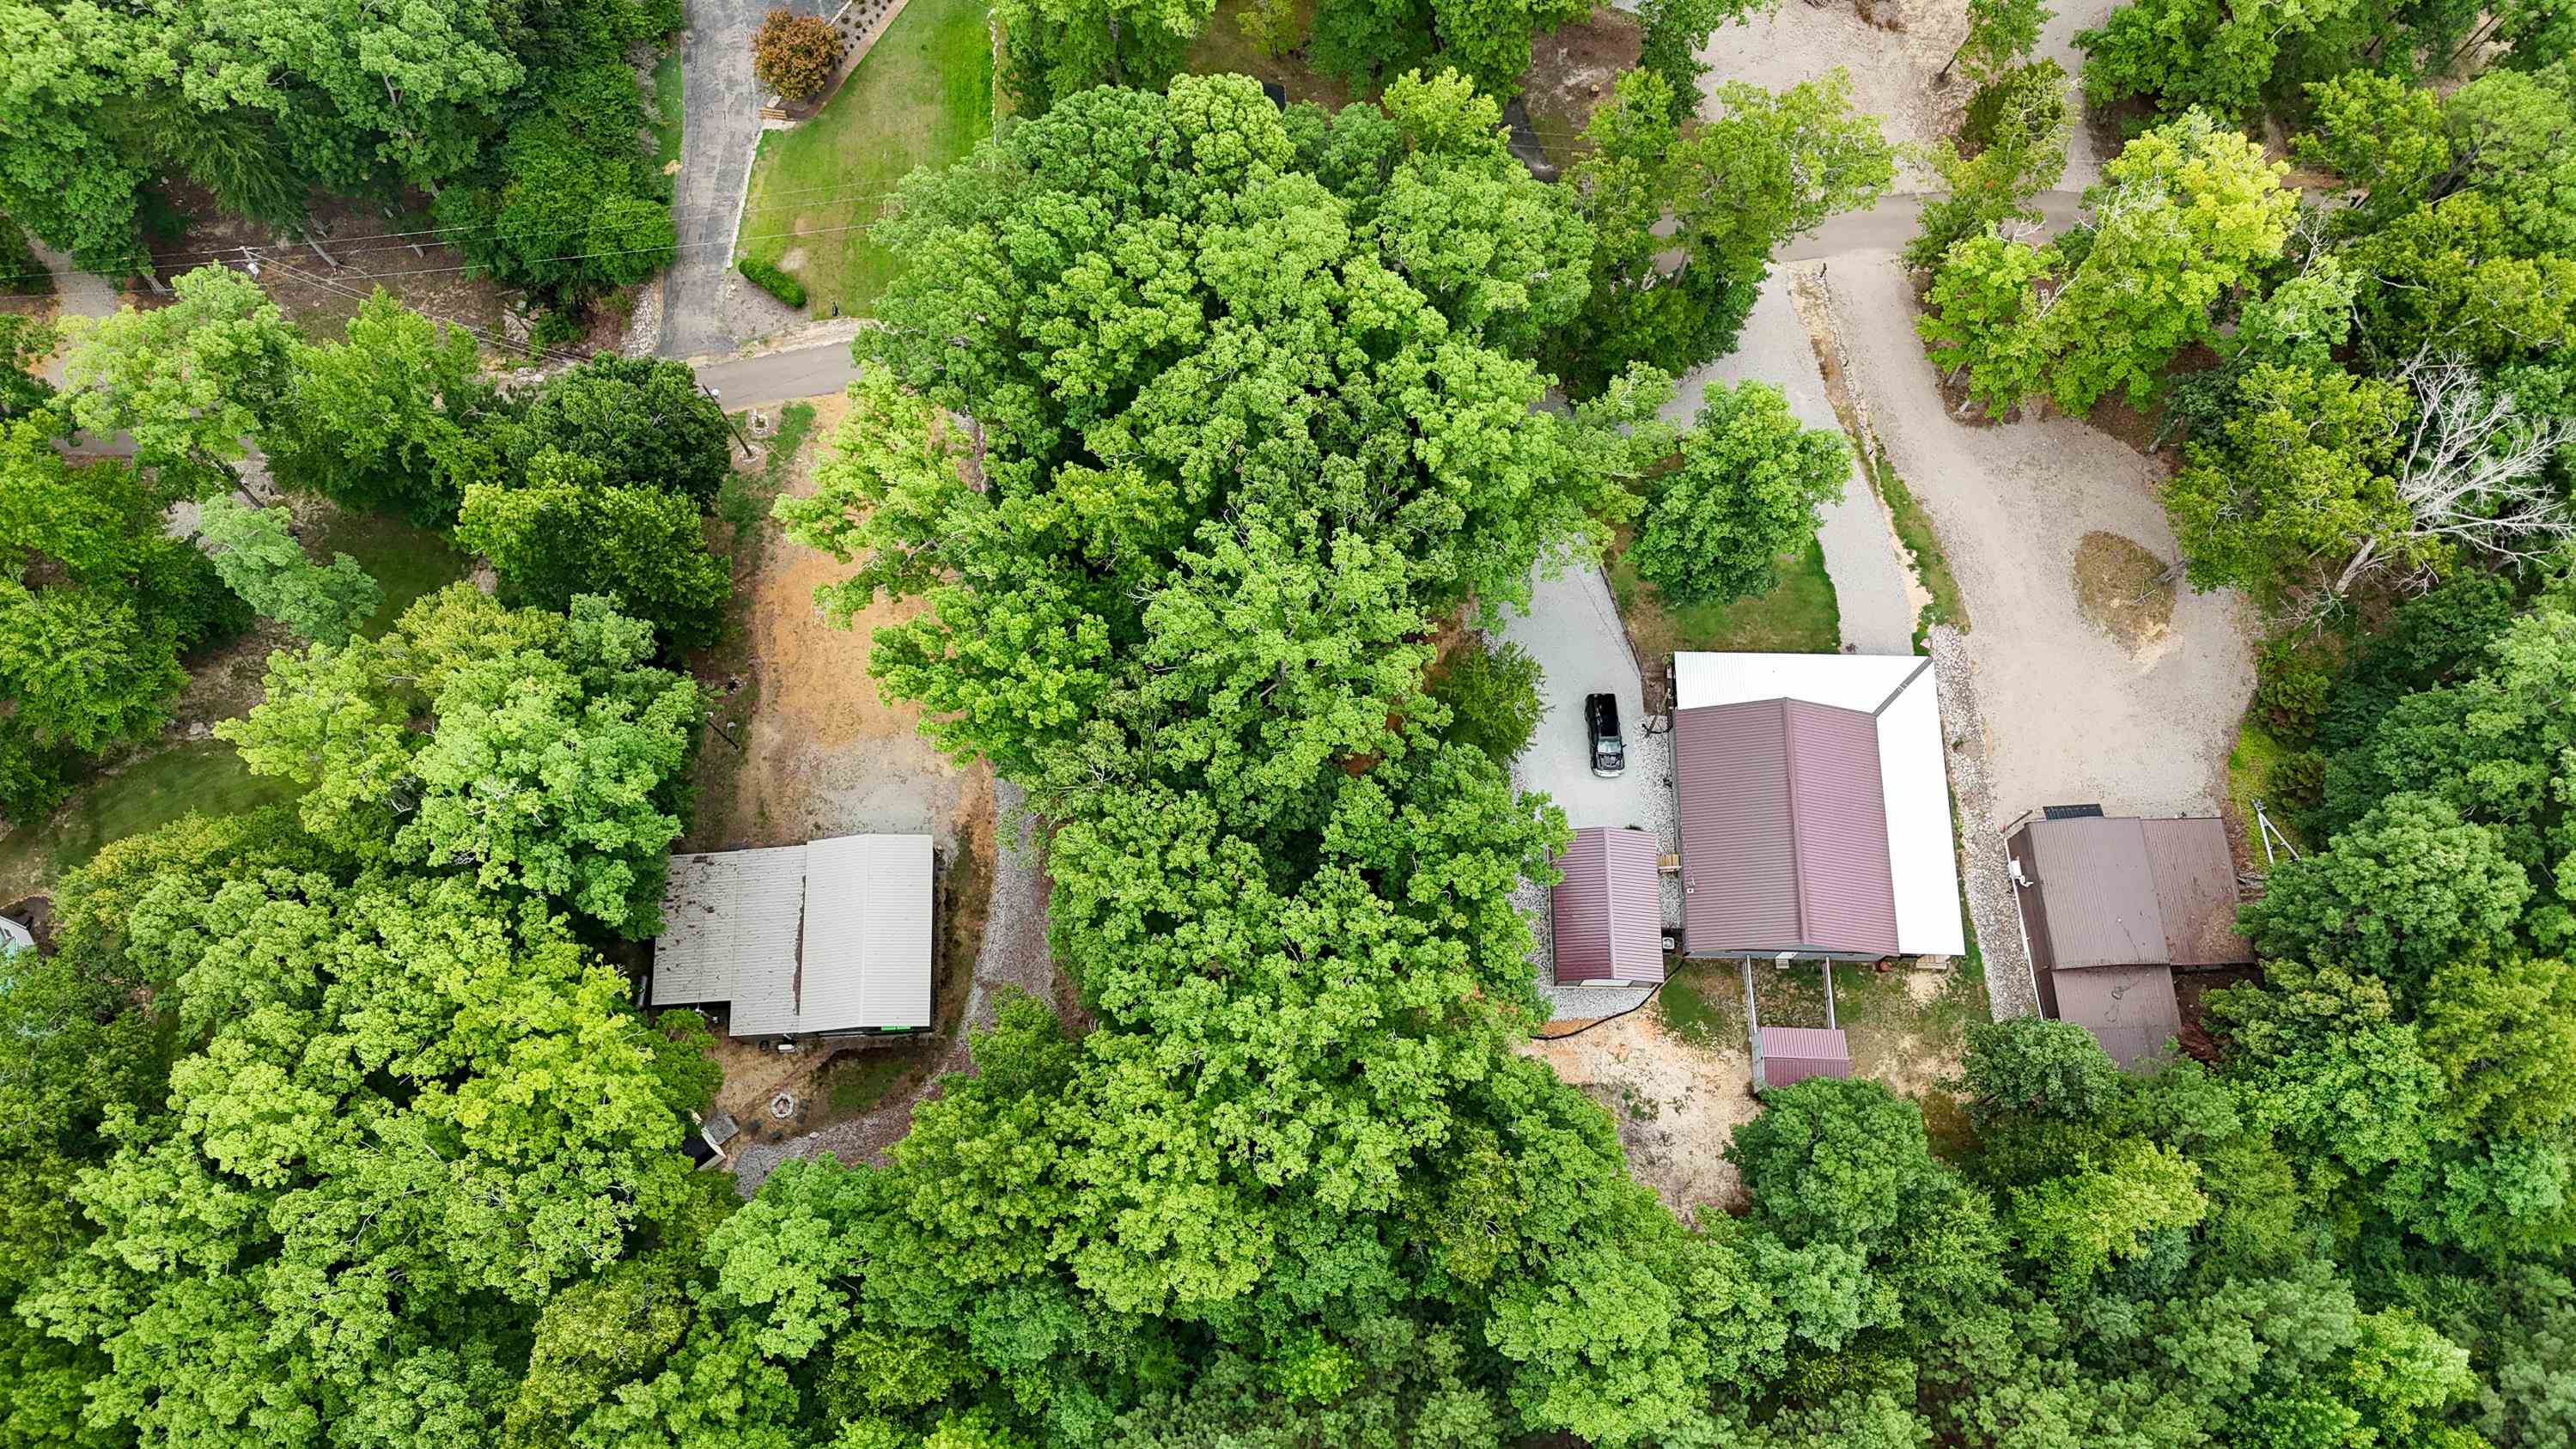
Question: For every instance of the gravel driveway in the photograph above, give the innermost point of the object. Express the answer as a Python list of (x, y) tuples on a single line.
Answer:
[(1573, 630)]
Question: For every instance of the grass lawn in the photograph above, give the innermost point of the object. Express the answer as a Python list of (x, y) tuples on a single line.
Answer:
[(667, 112), (406, 561), (204, 777), (922, 97), (1931, 567), (1798, 617), (1223, 49)]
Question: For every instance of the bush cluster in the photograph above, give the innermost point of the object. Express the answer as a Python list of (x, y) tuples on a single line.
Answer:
[(768, 278)]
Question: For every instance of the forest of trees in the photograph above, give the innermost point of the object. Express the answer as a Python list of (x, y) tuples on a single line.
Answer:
[(1190, 421), (520, 118)]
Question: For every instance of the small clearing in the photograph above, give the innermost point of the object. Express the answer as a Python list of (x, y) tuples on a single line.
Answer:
[(1676, 1100)]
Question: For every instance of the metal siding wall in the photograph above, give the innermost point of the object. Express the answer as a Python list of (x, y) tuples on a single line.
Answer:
[(1636, 906)]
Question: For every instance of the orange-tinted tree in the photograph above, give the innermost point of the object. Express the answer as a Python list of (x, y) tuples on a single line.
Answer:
[(795, 55)]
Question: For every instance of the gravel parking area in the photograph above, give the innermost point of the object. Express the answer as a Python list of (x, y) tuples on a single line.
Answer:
[(1572, 629)]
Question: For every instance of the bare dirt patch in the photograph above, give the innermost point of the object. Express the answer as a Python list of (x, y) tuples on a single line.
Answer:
[(2124, 590), (804, 746), (371, 250), (1571, 71), (1676, 1103)]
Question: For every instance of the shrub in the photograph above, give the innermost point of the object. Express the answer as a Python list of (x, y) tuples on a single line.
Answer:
[(795, 55), (2297, 783), (768, 278), (2289, 692), (2034, 95), (1492, 697)]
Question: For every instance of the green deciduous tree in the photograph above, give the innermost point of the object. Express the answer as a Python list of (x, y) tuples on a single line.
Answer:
[(2297, 483), (403, 1115), (261, 561), (384, 420), (2503, 1031), (1054, 48), (2081, 1223), (1765, 168), (643, 422), (559, 534), (2404, 889), (191, 381), (1492, 695), (2018, 124), (555, 761), (1750, 481), (2000, 33), (1986, 296), (2184, 214)]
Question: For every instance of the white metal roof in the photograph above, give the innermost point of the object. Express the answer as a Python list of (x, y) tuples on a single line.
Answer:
[(867, 904), (1903, 692), (829, 936)]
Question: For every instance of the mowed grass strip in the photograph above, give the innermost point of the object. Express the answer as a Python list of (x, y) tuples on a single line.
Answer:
[(922, 97)]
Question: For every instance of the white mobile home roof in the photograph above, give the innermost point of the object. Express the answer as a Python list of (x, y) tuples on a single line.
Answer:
[(1902, 692), (829, 936)]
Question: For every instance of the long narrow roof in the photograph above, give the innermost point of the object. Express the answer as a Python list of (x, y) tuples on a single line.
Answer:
[(1898, 696), (1608, 911)]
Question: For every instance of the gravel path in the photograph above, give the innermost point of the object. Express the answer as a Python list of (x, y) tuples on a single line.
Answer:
[(1860, 549), (2071, 715), (76, 294), (2010, 989), (706, 307), (1014, 953)]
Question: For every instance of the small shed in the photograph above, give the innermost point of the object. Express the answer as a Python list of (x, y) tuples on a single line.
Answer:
[(1790, 1054), (829, 938), (1608, 912), (2109, 906)]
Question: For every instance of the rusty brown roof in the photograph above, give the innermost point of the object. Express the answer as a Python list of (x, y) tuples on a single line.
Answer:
[(1783, 829), (2121, 891), (1608, 912), (1795, 1053), (2195, 876)]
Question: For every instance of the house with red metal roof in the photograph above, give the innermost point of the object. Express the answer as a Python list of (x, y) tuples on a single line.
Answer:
[(1814, 802)]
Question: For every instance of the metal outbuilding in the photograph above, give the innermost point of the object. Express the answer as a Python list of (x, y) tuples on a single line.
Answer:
[(829, 938), (2110, 905), (1608, 911), (1791, 1054)]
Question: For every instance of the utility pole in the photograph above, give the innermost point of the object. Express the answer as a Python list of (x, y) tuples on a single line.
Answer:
[(730, 425)]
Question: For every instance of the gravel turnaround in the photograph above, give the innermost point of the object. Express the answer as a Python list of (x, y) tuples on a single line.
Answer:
[(1014, 954)]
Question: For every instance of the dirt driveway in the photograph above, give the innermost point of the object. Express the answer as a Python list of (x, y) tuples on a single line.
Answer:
[(821, 753), (2072, 714)]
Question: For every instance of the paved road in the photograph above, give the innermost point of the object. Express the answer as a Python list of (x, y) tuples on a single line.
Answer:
[(720, 126), (811, 371)]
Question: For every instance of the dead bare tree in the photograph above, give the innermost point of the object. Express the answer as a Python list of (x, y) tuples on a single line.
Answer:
[(2471, 473)]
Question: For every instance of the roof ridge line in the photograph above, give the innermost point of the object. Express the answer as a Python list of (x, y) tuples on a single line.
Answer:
[(1789, 795)]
